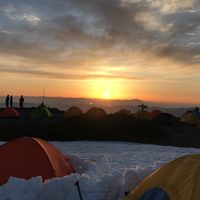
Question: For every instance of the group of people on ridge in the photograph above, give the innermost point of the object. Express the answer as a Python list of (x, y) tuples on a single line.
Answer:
[(9, 100)]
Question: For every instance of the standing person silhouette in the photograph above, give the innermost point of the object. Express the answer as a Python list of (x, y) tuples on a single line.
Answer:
[(11, 101), (21, 102), (7, 101)]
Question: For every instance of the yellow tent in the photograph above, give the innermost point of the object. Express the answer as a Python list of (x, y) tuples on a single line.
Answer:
[(176, 180), (73, 112), (190, 118), (142, 114)]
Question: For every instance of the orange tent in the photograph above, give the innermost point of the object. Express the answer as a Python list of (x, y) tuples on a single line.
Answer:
[(9, 113), (29, 157), (95, 113), (155, 113)]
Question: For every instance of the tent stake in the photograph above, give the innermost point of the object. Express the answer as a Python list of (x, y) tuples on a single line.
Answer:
[(79, 191)]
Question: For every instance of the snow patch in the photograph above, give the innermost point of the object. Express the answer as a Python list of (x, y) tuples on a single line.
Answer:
[(105, 171), (96, 179)]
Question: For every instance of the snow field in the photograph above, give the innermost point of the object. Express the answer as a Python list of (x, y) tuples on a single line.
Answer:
[(105, 170)]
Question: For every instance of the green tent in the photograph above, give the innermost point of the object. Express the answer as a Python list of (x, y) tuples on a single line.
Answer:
[(41, 112)]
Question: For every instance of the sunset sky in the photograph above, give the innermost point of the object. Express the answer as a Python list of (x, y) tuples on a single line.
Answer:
[(114, 49)]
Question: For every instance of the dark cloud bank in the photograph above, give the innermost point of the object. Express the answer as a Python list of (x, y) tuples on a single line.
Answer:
[(80, 34)]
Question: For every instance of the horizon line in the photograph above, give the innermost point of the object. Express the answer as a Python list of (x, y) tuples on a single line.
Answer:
[(110, 99)]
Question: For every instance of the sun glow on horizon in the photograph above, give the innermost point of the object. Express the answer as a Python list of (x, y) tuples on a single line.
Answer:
[(105, 89), (106, 95)]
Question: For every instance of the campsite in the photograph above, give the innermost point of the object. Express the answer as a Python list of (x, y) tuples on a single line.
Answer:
[(99, 100), (28, 133), (41, 135), (72, 124)]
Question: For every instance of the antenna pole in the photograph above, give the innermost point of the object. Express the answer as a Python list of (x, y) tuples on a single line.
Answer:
[(43, 95)]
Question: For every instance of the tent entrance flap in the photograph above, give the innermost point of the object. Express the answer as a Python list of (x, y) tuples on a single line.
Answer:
[(155, 194)]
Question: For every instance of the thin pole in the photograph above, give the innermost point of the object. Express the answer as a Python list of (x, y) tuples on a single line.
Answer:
[(43, 95), (79, 191)]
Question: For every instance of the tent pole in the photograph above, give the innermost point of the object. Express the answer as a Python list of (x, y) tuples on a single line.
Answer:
[(79, 191)]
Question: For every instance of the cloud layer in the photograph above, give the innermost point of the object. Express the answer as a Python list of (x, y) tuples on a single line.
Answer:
[(84, 39)]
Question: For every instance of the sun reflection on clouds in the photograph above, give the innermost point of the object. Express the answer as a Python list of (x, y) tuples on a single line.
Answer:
[(105, 88), (101, 49)]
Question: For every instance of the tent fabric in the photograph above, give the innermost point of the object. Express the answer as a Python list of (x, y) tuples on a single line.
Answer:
[(166, 119), (180, 179), (29, 157), (197, 113), (9, 113), (73, 112), (95, 113), (155, 113), (124, 112), (142, 114), (41, 112), (155, 194), (190, 117)]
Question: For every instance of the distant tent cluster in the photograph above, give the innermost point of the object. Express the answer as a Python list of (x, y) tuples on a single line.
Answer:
[(92, 113), (40, 112), (158, 116), (153, 115), (99, 113)]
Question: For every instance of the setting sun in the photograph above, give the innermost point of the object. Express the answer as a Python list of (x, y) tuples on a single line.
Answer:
[(105, 89), (91, 76), (104, 60), (106, 95)]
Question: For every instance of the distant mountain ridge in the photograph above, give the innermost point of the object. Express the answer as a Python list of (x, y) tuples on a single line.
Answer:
[(110, 106)]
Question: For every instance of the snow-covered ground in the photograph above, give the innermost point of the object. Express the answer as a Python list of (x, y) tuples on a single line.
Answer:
[(105, 170)]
